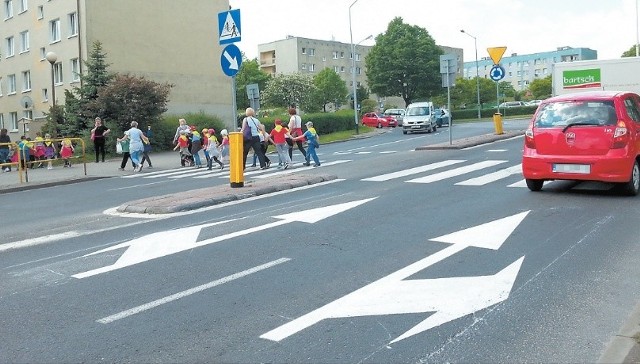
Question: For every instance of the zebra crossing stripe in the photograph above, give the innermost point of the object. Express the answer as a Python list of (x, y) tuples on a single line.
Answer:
[(492, 177), (416, 170), (521, 183), (194, 174), (300, 169), (456, 171)]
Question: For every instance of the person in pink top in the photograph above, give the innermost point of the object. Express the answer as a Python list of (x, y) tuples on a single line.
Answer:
[(278, 137)]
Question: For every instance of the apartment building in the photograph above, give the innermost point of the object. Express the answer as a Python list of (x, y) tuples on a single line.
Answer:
[(162, 40), (296, 54), (522, 69)]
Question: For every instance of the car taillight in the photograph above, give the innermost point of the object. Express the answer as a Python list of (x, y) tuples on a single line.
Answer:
[(528, 139), (620, 135)]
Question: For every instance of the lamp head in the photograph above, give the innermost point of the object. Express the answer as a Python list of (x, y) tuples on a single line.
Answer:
[(51, 57)]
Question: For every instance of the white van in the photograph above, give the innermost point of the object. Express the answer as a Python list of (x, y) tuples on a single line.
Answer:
[(419, 116)]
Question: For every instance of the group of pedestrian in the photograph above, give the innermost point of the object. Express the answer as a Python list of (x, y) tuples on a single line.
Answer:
[(257, 139), (191, 143)]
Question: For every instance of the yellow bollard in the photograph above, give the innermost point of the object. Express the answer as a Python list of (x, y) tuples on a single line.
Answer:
[(497, 123), (236, 166)]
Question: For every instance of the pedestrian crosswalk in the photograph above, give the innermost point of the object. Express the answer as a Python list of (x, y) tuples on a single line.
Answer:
[(459, 172)]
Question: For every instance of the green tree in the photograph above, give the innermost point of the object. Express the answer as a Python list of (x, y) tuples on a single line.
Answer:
[(284, 90), (248, 74), (631, 52), (404, 62), (127, 98), (79, 102), (541, 87), (330, 88)]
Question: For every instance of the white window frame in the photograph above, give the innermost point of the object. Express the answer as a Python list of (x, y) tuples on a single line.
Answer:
[(27, 114), (8, 9), (10, 45), (312, 51), (1, 86), (304, 50), (72, 19), (43, 53), (75, 69), (24, 41), (26, 81), (58, 78), (357, 57), (13, 119), (312, 67), (45, 95), (54, 31), (336, 69), (303, 66), (335, 54), (1, 121), (40, 12), (11, 84), (24, 6)]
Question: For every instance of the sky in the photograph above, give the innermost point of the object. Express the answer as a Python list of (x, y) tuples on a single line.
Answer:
[(523, 26)]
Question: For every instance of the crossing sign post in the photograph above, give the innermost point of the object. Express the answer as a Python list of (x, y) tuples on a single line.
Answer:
[(497, 72)]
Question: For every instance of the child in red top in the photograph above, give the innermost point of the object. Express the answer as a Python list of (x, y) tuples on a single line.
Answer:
[(66, 152), (278, 137)]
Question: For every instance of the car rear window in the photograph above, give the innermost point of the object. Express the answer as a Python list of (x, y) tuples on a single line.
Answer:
[(561, 114)]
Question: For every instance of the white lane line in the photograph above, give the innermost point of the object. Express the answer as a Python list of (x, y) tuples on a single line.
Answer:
[(496, 150), (521, 183), (179, 295), (492, 177), (388, 152), (416, 170), (147, 174), (135, 186), (364, 152), (301, 169), (39, 240), (456, 171)]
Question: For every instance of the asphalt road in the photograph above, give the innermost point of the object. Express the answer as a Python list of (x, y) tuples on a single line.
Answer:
[(409, 256)]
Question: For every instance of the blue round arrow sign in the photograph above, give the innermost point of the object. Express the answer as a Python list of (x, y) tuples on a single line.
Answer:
[(231, 59), (497, 73)]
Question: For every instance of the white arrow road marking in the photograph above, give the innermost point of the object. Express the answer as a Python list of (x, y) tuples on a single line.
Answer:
[(165, 243), (450, 298), (232, 60), (416, 170), (492, 177), (179, 295), (456, 172)]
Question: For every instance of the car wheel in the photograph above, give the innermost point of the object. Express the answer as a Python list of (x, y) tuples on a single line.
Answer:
[(534, 185), (632, 187), (379, 125), (404, 132)]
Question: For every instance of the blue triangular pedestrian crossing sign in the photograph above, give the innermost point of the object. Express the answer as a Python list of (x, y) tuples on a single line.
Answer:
[(229, 26)]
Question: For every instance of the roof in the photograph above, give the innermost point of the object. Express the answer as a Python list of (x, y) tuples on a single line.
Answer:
[(588, 95)]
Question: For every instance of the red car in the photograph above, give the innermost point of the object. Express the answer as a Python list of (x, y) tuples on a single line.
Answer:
[(378, 120), (587, 136)]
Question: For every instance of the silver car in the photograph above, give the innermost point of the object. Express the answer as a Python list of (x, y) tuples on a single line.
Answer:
[(396, 113)]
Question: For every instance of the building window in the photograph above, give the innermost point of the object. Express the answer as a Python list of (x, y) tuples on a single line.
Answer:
[(57, 73), (10, 47), (2, 121), (11, 84), (8, 9), (358, 70), (335, 54), (303, 66), (304, 50), (75, 70), (312, 67), (341, 54), (73, 24), (312, 51), (54, 31), (342, 69), (45, 95), (324, 59), (23, 6), (40, 12), (43, 54), (26, 81), (0, 86), (335, 69), (24, 41), (358, 57), (13, 117), (27, 114)]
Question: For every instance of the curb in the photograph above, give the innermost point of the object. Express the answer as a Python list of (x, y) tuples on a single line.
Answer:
[(216, 195), (624, 347), (473, 141)]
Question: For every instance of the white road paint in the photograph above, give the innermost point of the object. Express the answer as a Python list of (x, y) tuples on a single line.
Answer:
[(521, 183), (497, 150), (165, 243), (416, 170), (39, 240), (189, 292), (497, 141), (449, 298), (456, 172), (301, 169), (492, 177)]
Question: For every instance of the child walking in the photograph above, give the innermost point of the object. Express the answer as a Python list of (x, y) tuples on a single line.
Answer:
[(224, 152), (49, 150), (312, 144), (278, 137), (213, 151)]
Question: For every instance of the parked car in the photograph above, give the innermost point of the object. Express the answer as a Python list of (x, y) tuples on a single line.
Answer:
[(442, 117), (533, 103), (509, 104), (398, 114), (419, 116), (378, 120), (587, 136)]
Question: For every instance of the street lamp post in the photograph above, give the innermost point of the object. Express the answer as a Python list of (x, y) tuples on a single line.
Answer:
[(353, 71), (475, 44), (52, 58)]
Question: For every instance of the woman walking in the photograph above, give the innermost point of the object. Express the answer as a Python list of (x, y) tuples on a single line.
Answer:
[(98, 134), (295, 129), (252, 126), (136, 145)]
